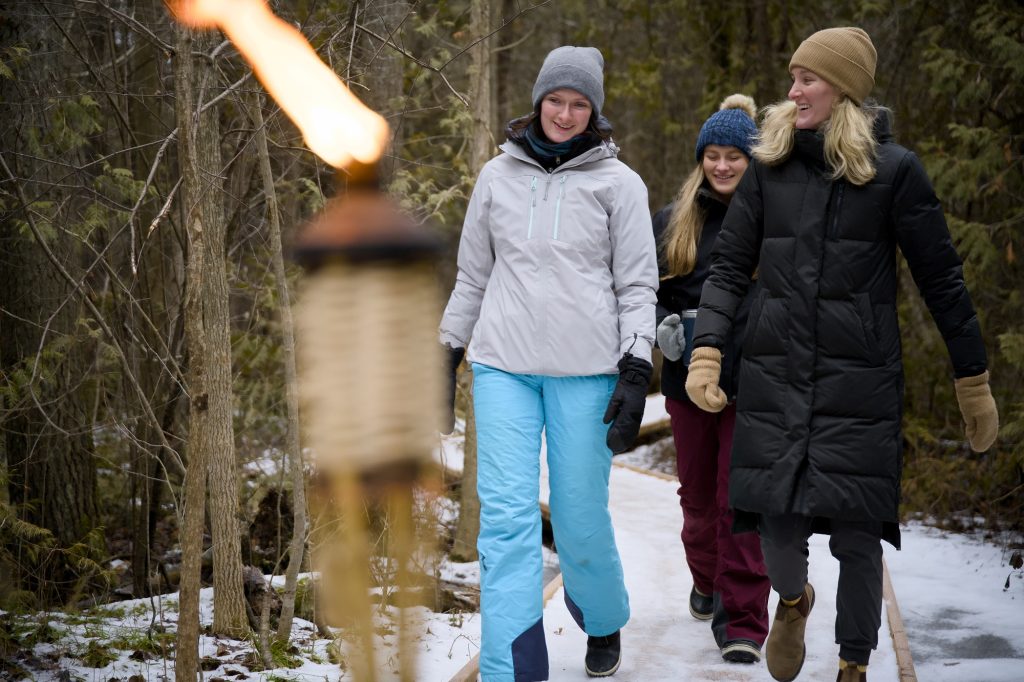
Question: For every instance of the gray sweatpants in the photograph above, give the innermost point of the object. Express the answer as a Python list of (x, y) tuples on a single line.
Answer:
[(858, 547)]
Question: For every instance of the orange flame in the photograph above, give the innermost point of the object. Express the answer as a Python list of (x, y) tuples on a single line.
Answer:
[(334, 123)]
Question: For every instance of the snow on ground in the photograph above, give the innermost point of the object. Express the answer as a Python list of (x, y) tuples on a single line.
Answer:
[(662, 641), (960, 601), (962, 605)]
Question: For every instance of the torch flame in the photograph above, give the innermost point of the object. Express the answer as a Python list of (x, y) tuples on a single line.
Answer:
[(334, 123)]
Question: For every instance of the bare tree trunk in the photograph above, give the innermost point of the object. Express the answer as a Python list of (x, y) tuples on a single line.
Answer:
[(481, 147), (211, 438), (384, 73), (152, 305), (480, 93), (229, 616), (468, 528), (503, 71), (186, 663), (292, 445)]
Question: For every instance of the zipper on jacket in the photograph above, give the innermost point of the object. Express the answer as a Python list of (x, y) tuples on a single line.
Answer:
[(533, 205), (833, 228), (558, 204)]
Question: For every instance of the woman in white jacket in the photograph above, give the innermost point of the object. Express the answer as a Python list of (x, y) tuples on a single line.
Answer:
[(556, 283)]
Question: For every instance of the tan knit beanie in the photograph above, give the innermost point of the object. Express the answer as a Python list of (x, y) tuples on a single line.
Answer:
[(844, 57)]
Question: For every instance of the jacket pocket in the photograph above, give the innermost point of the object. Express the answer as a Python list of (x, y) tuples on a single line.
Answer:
[(753, 322), (867, 319), (577, 216), (558, 206), (533, 207)]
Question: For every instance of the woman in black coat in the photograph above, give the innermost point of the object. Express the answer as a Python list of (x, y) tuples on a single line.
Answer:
[(817, 443)]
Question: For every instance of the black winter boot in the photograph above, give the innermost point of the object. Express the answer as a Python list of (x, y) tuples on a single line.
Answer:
[(603, 655), (702, 606), (741, 651)]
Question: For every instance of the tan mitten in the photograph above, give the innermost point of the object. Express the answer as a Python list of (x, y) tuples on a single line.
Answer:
[(702, 381), (979, 410)]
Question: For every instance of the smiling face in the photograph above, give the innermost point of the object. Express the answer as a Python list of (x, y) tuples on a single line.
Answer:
[(814, 98), (723, 167), (564, 113)]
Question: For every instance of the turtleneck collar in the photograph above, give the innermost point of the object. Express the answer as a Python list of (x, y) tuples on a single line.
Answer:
[(711, 200), (548, 154), (552, 155), (810, 146)]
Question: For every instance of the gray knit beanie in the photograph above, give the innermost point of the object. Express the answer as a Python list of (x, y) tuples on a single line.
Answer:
[(577, 68), (731, 126)]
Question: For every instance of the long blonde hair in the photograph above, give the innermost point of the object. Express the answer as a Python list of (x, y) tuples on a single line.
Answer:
[(850, 146), (684, 227), (688, 215)]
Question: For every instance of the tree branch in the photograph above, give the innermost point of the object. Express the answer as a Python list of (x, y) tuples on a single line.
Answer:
[(415, 59), (133, 24)]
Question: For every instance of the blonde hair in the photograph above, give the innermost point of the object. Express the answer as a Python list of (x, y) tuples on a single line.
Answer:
[(850, 146), (684, 227)]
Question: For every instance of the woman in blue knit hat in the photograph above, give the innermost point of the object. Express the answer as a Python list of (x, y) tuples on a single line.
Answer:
[(730, 587), (556, 288)]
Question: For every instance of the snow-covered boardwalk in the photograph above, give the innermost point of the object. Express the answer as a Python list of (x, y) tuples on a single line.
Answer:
[(963, 624), (662, 641)]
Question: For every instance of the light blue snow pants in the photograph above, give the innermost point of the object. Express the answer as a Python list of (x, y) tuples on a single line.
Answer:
[(511, 411)]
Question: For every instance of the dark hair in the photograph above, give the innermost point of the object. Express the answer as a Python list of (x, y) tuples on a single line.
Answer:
[(516, 128)]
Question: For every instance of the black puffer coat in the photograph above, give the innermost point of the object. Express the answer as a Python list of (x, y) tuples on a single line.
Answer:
[(818, 424), (680, 293)]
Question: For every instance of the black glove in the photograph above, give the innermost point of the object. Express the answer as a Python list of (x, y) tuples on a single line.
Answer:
[(626, 408), (454, 359)]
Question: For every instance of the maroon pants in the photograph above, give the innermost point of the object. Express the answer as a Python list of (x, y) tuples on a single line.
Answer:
[(729, 567)]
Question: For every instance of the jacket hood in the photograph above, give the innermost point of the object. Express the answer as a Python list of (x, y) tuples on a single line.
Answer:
[(882, 128)]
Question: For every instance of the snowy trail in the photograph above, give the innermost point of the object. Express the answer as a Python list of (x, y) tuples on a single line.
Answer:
[(962, 623), (662, 641)]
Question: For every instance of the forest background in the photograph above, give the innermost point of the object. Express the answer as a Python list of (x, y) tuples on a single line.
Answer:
[(135, 348)]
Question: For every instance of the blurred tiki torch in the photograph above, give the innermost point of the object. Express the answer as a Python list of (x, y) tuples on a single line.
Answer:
[(366, 317)]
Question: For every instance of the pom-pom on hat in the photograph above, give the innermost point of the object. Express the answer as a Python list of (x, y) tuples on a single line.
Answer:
[(845, 57), (731, 126), (578, 68)]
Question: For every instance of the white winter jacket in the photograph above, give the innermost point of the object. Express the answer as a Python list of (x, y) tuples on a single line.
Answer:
[(557, 272)]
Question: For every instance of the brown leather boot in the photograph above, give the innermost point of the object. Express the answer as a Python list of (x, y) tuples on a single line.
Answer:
[(852, 672), (784, 650)]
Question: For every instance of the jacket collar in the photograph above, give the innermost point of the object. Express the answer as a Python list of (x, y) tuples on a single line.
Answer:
[(810, 144), (604, 150), (709, 200)]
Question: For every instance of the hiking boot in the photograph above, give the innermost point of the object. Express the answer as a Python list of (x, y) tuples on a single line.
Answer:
[(785, 648), (702, 606), (851, 672), (741, 651), (603, 655)]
